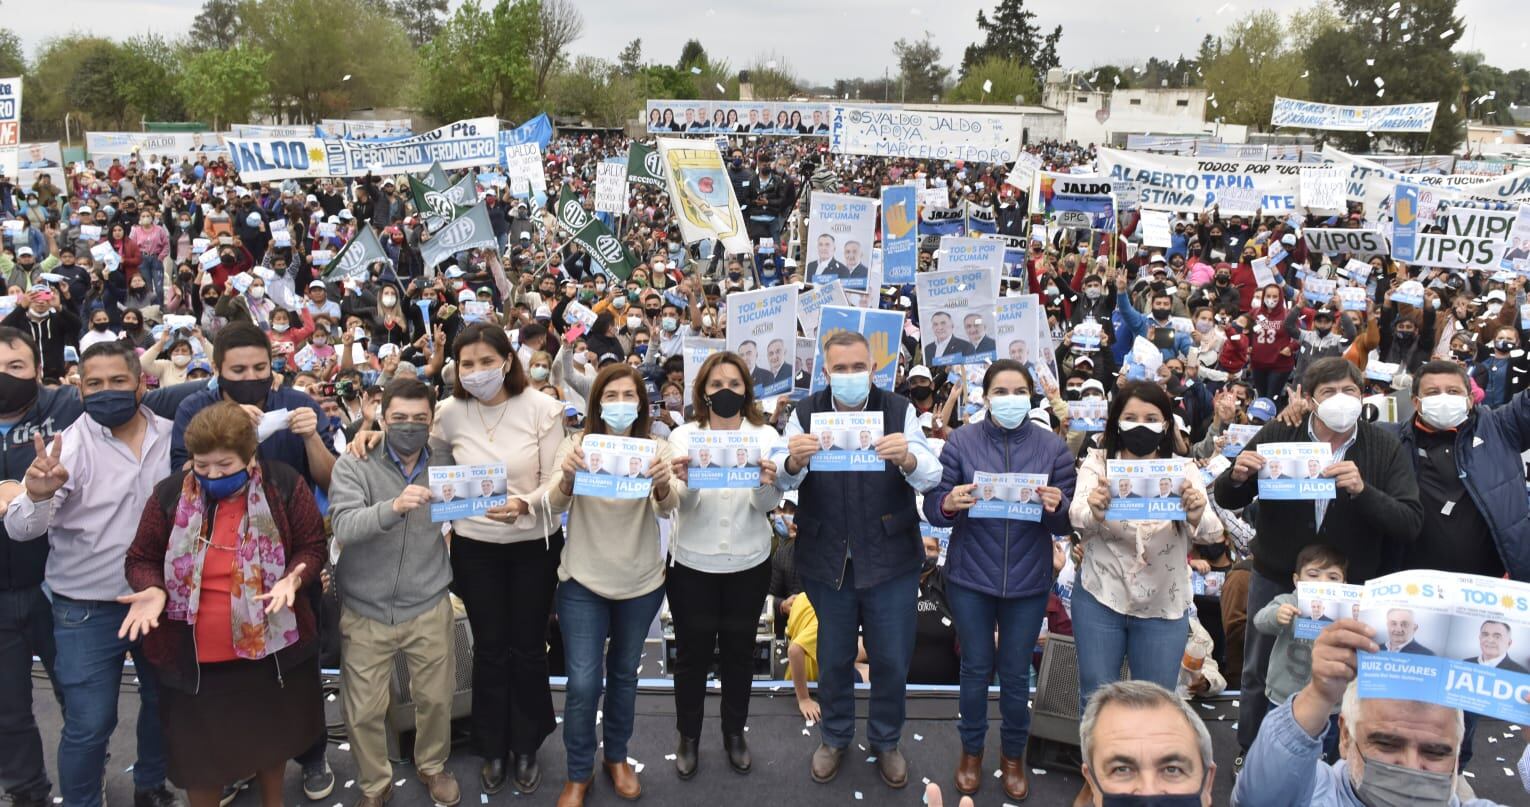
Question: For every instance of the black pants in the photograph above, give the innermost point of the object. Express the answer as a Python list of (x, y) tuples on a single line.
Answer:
[(720, 611), (508, 591), (26, 630)]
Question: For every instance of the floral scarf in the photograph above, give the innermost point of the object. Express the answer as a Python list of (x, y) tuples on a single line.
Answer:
[(260, 559)]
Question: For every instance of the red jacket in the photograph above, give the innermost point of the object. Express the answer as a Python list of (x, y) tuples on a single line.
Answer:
[(1234, 352), (1269, 338), (1243, 279)]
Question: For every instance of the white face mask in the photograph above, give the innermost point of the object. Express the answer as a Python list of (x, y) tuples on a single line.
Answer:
[(257, 292), (707, 321), (484, 384), (1444, 411), (389, 299), (1339, 412), (633, 323), (180, 360)]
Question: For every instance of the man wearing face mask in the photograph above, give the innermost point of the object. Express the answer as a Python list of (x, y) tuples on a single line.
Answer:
[(393, 573), (1395, 753), (859, 553), (1156, 328), (85, 491), (1375, 515)]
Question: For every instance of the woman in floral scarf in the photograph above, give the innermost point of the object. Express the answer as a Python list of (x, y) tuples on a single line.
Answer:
[(220, 555)]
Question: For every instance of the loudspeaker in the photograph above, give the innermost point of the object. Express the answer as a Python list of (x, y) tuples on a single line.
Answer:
[(1054, 712), (400, 717)]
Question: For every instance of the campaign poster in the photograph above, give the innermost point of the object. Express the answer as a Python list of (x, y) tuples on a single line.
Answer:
[(882, 330), (1516, 255), (1009, 496), (762, 328), (1087, 415), (900, 234), (1018, 321), (841, 231), (702, 194), (1448, 639), (616, 467), (846, 441), (942, 536), (1319, 605), (464, 491), (1087, 336), (958, 253), (1207, 585), (724, 459), (1295, 471), (1145, 490), (1319, 290), (694, 351), (36, 159), (810, 304), (1079, 201), (1238, 435), (956, 310), (1353, 298)]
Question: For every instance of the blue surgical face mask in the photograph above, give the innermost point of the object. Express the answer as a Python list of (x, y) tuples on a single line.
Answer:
[(1009, 411), (850, 389), (619, 415), (224, 486)]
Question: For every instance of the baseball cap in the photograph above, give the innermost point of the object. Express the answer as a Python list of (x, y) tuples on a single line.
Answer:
[(1495, 294), (346, 215), (543, 312), (199, 364), (1261, 410), (1288, 239), (311, 199), (467, 296), (454, 271), (317, 284), (1157, 258), (23, 251), (1092, 384), (920, 371)]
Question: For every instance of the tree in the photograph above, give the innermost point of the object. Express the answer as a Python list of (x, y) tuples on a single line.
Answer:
[(12, 61), (1009, 81), (222, 85), (1256, 61), (559, 24), (919, 67), (1410, 47), (595, 90), (1012, 34), (630, 60), (771, 78), (692, 54), (421, 18), (217, 25), (362, 59), (146, 70), (480, 62)]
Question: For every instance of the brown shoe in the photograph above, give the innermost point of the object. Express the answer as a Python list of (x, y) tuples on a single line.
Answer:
[(573, 794), (443, 788), (826, 763), (1085, 797), (376, 801), (624, 780), (1016, 786), (969, 773)]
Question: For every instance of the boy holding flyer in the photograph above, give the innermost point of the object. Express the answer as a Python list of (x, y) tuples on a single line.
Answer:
[(1291, 662)]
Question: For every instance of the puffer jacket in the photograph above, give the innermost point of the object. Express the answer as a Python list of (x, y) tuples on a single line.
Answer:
[(996, 556)]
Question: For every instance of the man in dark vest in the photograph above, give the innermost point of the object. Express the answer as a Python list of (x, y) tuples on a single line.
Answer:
[(859, 554)]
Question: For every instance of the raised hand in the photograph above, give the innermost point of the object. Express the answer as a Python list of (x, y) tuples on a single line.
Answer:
[(46, 474)]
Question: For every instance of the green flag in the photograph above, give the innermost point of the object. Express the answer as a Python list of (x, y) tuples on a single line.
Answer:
[(435, 206), (596, 238), (468, 231), (644, 165), (356, 256), (436, 177)]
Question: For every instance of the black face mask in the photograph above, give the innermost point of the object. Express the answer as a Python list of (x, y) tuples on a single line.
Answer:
[(1161, 314), (16, 394), (929, 565), (1404, 337), (249, 392), (1223, 280), (100, 327), (1463, 355), (725, 403), (920, 393), (1213, 551), (1140, 440), (1323, 330), (228, 260), (1503, 345), (1073, 394)]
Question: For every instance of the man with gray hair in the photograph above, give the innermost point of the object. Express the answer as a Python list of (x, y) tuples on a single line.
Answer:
[(1141, 740), (1393, 751)]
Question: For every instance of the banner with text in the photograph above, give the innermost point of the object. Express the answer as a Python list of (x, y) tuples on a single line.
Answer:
[(1389, 119), (925, 134)]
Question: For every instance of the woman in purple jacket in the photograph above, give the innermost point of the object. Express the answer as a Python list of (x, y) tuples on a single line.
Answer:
[(999, 563)]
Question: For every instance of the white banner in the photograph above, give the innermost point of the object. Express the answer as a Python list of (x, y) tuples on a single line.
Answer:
[(1457, 252), (176, 145), (39, 158), (523, 161), (366, 129), (464, 144), (10, 125), (611, 186), (926, 135), (1322, 189), (1377, 119), (1371, 183), (702, 194), (1191, 184), (258, 130), (1359, 243)]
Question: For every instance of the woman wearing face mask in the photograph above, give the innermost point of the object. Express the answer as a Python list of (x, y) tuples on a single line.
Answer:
[(1272, 351), (172, 370), (539, 368), (252, 304), (999, 571), (217, 565), (134, 331), (1133, 588), (284, 330), (719, 565), (100, 331), (390, 323), (127, 250), (611, 584)]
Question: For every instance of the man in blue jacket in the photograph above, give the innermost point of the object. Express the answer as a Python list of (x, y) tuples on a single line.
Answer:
[(1156, 328), (1471, 482)]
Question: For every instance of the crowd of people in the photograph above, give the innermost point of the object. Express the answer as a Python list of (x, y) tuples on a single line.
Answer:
[(219, 466)]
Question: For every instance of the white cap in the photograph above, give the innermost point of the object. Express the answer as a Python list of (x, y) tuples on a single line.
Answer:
[(23, 251), (454, 271), (311, 199), (542, 312), (467, 296), (346, 214), (332, 220), (1157, 258), (387, 349), (920, 371), (1495, 294), (1092, 384), (1288, 239)]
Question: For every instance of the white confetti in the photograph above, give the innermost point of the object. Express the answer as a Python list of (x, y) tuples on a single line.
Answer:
[(871, 759), (400, 783), (637, 767), (1470, 775), (1380, 82), (1381, 92), (331, 698), (669, 757), (918, 738), (1370, 62), (344, 746), (483, 798), (945, 621), (128, 769), (998, 774), (1407, 37), (914, 12), (1223, 7), (808, 723), (858, 796), (1445, 34), (804, 732), (1508, 771), (350, 783)]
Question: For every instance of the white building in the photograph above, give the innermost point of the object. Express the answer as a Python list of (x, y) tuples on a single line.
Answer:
[(1095, 116)]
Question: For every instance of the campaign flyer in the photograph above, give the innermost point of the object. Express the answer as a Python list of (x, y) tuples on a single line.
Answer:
[(1010, 496), (1238, 435), (1295, 471), (1087, 415), (1145, 489), (846, 441), (463, 491), (616, 467), (724, 459), (1321, 604)]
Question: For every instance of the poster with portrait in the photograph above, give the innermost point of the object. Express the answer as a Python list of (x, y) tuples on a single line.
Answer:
[(810, 303), (724, 459), (882, 330), (846, 441), (1295, 471), (1238, 435), (1145, 490), (1320, 604), (1087, 415), (1457, 640), (616, 467), (694, 351), (464, 491), (956, 310), (1019, 321), (1007, 495), (802, 380), (841, 231), (36, 159), (762, 328)]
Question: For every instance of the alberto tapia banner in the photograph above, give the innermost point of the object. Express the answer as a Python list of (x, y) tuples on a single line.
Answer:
[(463, 144), (1389, 119), (702, 194), (1193, 184), (925, 135)]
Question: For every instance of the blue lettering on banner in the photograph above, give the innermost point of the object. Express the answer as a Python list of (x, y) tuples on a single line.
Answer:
[(1297, 489), (465, 508), (843, 460), (1013, 511), (1474, 688), (715, 478), (1166, 508), (611, 486)]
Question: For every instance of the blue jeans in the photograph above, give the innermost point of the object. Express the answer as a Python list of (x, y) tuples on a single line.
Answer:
[(886, 614), (1019, 622), (89, 669), (587, 620), (1153, 648)]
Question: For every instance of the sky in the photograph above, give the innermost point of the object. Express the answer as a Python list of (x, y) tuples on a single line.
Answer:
[(809, 36)]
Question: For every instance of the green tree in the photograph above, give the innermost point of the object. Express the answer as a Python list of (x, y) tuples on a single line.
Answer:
[(595, 90), (1012, 33), (328, 57), (217, 25), (923, 76), (222, 86), (691, 54), (145, 72), (1257, 60), (771, 77), (663, 81), (630, 60), (1009, 81), (12, 61), (480, 62), (1409, 47), (421, 18)]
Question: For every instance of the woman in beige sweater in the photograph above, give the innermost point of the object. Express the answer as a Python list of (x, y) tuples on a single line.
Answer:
[(611, 582)]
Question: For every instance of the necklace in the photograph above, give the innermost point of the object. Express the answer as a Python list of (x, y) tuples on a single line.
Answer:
[(486, 427)]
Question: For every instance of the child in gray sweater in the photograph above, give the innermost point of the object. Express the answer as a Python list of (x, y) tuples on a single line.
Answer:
[(1291, 660)]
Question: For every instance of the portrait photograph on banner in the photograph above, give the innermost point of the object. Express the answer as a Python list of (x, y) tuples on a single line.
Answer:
[(841, 231)]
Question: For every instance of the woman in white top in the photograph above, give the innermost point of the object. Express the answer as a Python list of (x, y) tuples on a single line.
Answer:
[(720, 557)]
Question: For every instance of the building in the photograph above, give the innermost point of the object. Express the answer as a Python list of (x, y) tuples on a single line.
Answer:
[(1095, 116)]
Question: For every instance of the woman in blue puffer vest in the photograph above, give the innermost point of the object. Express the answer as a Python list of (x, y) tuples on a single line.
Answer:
[(999, 563)]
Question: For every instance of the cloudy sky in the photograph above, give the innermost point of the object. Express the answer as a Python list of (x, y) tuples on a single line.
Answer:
[(826, 39)]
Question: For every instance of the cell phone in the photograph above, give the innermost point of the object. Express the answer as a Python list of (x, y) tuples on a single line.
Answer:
[(327, 389)]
